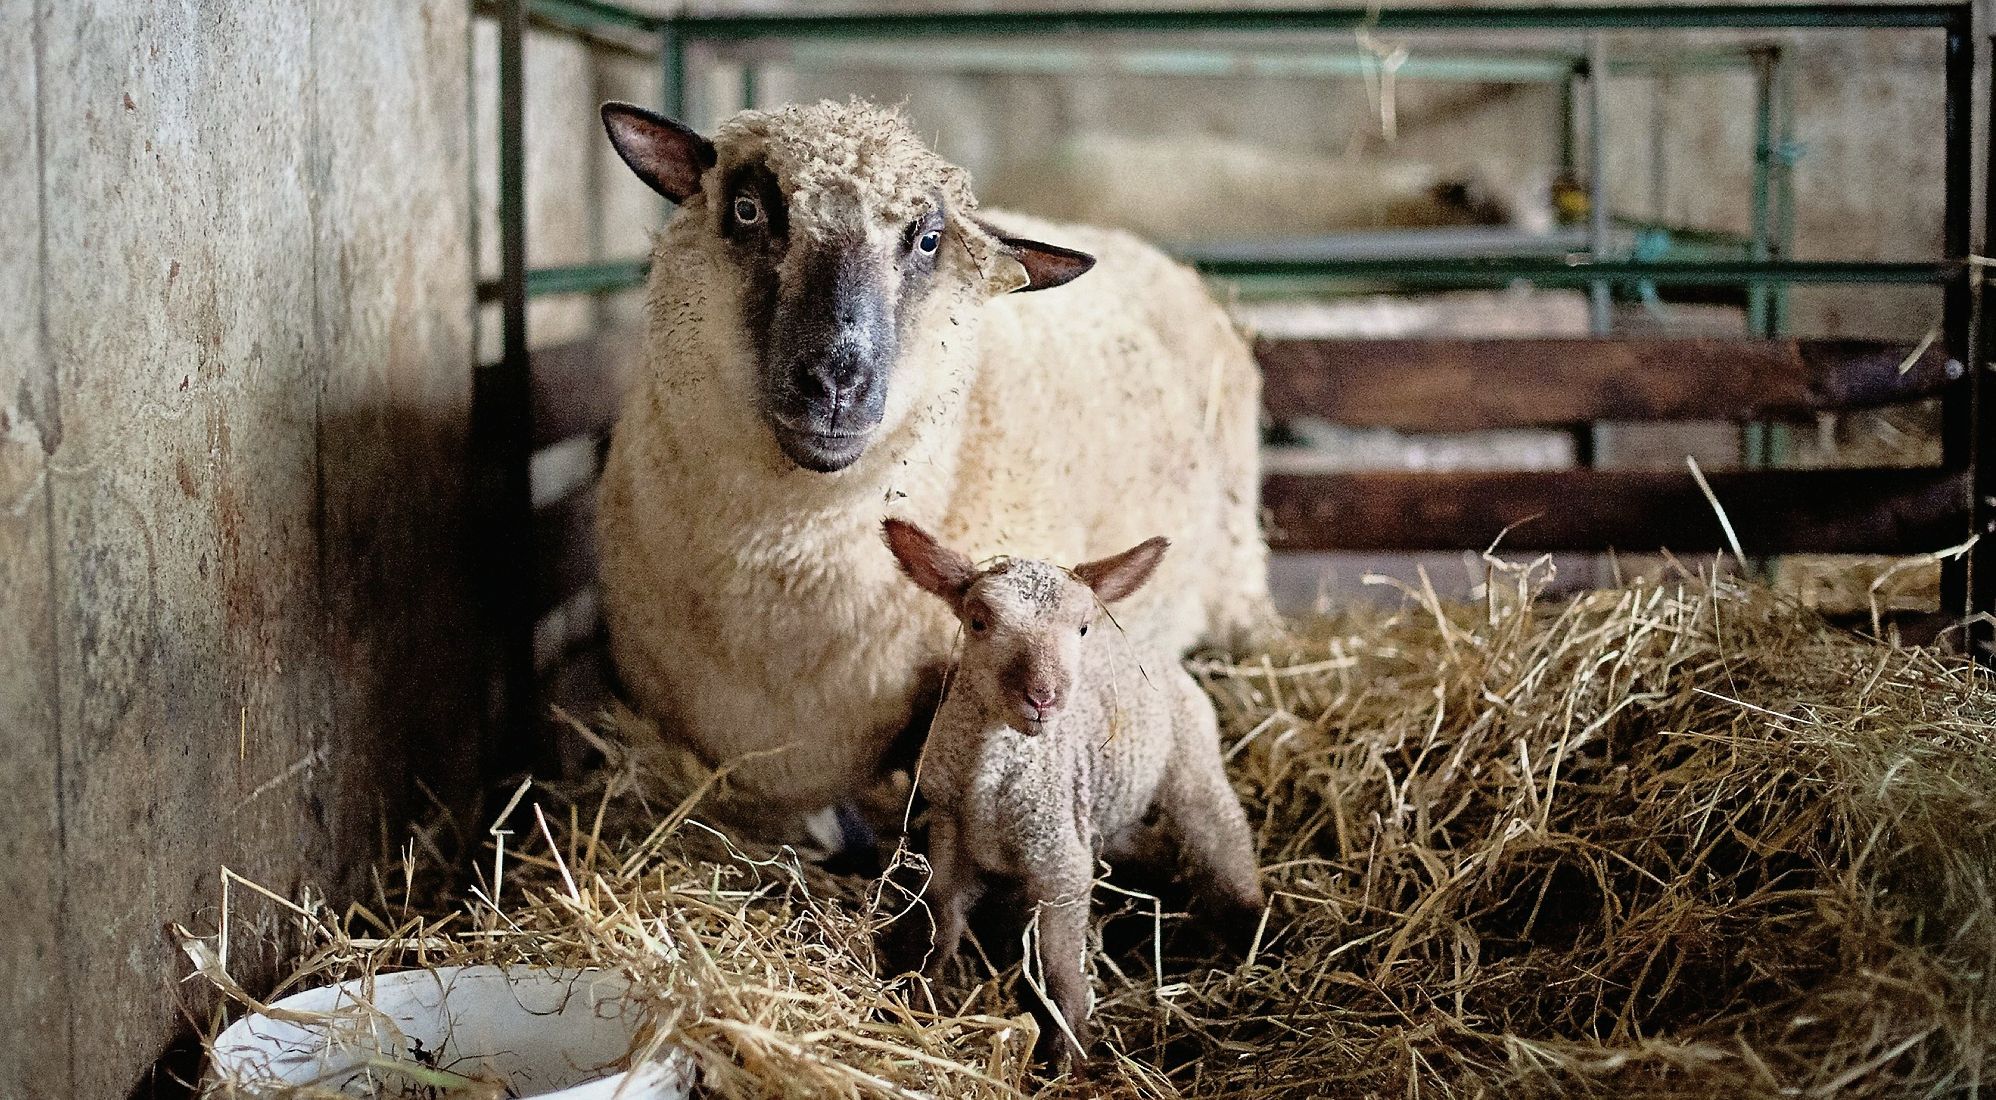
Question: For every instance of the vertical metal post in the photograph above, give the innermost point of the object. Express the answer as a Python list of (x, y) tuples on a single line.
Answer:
[(503, 422), (1958, 421), (750, 84), (1763, 186), (1784, 181), (672, 90), (1981, 401), (1569, 118), (1756, 447), (1597, 183), (1662, 82)]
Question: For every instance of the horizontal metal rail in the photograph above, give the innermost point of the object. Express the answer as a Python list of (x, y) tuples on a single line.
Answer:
[(1496, 66), (575, 279), (1295, 20), (716, 28), (584, 14), (1582, 272), (1492, 67), (1440, 271)]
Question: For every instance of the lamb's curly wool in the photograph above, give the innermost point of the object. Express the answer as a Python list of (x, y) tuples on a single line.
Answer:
[(750, 608), (1051, 750)]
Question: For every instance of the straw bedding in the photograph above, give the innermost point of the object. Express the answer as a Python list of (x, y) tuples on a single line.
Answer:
[(1673, 839)]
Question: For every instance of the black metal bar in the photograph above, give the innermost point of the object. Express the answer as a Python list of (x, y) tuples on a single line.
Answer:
[(503, 420), (1981, 581), (1957, 301), (584, 14), (1296, 20)]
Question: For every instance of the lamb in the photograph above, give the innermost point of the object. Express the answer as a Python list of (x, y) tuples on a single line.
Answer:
[(830, 339), (1052, 746)]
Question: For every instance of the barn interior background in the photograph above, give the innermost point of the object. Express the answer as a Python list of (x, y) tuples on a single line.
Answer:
[(262, 466)]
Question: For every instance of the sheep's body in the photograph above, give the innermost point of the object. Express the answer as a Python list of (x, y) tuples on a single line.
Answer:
[(749, 606)]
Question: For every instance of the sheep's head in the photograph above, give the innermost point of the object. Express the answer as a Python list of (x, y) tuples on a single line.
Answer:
[(843, 226), (1023, 620)]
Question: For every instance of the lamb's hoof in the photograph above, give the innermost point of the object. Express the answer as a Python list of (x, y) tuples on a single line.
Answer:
[(1234, 925), (906, 945), (1054, 1055)]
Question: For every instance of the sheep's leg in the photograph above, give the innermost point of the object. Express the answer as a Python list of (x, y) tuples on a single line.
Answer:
[(1060, 896), (953, 889), (1202, 812)]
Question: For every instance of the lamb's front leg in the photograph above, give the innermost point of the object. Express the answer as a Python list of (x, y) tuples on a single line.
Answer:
[(953, 889), (1060, 893)]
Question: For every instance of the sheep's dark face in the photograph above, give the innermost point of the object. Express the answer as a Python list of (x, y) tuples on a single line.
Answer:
[(825, 310), (842, 226)]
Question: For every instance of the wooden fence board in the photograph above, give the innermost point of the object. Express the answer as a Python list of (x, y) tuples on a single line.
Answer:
[(257, 294), (1448, 385), (1775, 511), (179, 296), (35, 1048)]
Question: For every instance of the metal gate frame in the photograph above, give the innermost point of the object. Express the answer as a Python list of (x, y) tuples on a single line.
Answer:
[(1969, 581)]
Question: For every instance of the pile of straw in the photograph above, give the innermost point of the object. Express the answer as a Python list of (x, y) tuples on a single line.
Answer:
[(1668, 840)]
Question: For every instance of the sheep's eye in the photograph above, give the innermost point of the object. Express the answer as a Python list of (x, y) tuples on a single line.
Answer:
[(746, 210), (977, 626), (930, 241), (1084, 630)]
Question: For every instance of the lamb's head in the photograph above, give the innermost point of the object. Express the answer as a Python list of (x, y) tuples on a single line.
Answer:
[(847, 234), (1023, 619)]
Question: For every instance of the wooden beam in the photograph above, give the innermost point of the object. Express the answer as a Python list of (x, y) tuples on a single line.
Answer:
[(1775, 511), (1466, 385), (578, 386)]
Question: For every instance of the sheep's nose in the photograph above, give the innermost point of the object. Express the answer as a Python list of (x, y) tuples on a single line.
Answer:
[(1042, 699)]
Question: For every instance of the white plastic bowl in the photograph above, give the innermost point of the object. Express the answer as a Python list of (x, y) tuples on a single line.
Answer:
[(546, 1033)]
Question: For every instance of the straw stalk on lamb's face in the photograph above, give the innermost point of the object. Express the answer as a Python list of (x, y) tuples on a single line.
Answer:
[(827, 292)]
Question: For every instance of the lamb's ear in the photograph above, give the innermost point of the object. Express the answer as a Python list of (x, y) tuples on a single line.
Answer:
[(1114, 578), (667, 156), (930, 564), (1045, 265)]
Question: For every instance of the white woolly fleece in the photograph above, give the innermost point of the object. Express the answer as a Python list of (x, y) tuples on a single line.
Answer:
[(752, 607)]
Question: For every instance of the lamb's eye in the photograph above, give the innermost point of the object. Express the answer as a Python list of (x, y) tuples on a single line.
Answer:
[(977, 626), (746, 210), (930, 241), (1084, 630)]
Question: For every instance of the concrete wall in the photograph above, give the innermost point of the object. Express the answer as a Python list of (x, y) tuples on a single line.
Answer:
[(235, 337)]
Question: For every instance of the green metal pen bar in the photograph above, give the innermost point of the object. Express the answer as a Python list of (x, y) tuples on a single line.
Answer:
[(1582, 272), (1010, 24), (600, 278)]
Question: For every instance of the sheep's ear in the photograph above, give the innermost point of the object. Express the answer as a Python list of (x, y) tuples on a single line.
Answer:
[(1044, 265), (1114, 578), (667, 156), (1047, 265), (930, 564)]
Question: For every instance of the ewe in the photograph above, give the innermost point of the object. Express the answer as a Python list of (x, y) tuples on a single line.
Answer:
[(1052, 746), (831, 340)]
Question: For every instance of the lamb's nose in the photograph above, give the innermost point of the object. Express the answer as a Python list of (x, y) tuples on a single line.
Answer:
[(1042, 699)]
